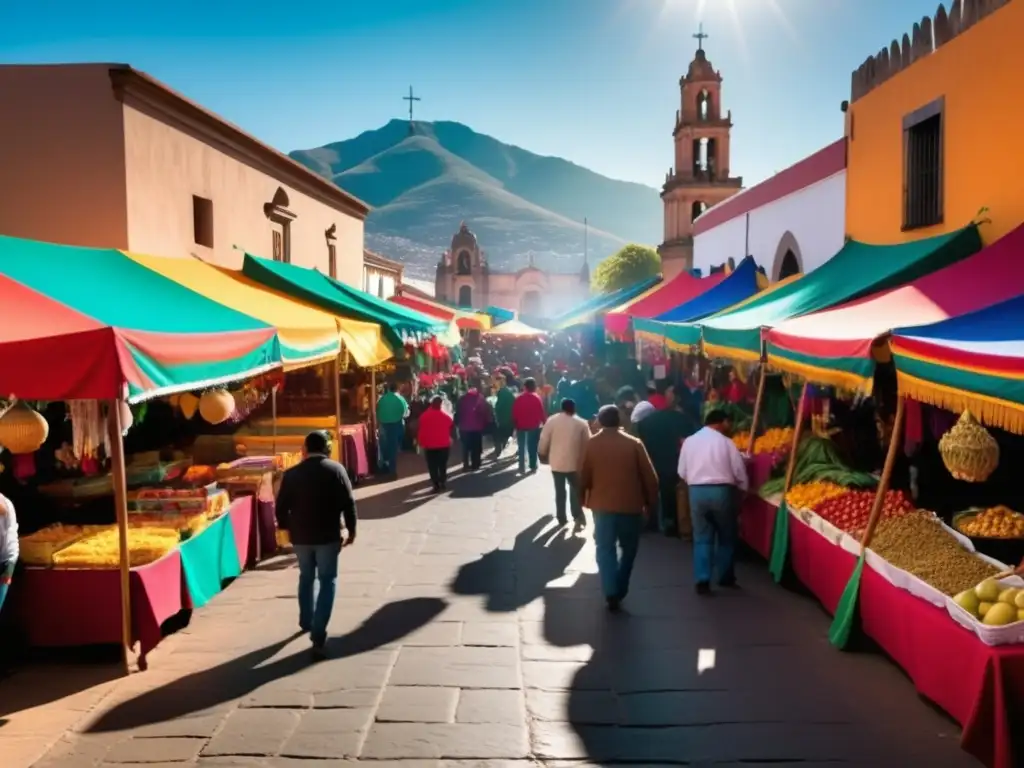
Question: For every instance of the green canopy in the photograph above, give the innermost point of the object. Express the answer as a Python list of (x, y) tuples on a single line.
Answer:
[(857, 270), (398, 323)]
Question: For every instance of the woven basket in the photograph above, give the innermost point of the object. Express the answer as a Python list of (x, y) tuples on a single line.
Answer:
[(23, 430), (969, 452)]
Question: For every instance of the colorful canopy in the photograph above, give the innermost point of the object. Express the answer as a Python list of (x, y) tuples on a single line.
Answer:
[(499, 313), (596, 305), (306, 334), (836, 346), (337, 298), (85, 323), (741, 284), (515, 329), (669, 295), (857, 270), (465, 320), (973, 362)]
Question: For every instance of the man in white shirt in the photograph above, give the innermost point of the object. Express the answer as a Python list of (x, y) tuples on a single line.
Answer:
[(9, 549), (563, 441), (713, 469)]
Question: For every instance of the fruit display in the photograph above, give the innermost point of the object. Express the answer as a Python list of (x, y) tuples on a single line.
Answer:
[(39, 548), (211, 502), (917, 543), (101, 550), (199, 474), (810, 495), (992, 603), (817, 458), (186, 524), (775, 440), (993, 523), (851, 511)]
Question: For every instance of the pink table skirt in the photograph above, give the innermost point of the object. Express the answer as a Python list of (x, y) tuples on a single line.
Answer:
[(352, 441), (757, 524), (821, 566)]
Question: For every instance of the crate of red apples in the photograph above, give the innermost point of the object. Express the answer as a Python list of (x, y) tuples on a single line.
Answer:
[(851, 511)]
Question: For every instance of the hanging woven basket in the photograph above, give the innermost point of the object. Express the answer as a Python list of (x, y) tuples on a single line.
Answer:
[(23, 430), (216, 406), (969, 452)]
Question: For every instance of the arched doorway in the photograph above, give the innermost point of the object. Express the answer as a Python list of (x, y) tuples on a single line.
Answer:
[(530, 304), (790, 266), (466, 296)]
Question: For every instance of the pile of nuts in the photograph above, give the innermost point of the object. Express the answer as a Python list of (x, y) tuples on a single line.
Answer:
[(919, 545)]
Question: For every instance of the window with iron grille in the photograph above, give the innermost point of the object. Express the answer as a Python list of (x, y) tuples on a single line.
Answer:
[(923, 167)]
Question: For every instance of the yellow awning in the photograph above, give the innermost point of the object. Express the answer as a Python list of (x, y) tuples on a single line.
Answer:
[(308, 335)]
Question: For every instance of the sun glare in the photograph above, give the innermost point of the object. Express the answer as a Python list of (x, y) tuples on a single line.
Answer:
[(741, 15)]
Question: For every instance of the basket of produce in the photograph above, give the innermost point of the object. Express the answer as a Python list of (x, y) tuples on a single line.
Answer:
[(993, 609), (916, 552), (997, 532)]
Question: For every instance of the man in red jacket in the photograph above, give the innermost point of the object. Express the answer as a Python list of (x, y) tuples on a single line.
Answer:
[(435, 439), (528, 416)]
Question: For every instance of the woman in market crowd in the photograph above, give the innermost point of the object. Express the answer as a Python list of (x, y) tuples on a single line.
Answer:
[(392, 410), (472, 415), (528, 416), (711, 465), (618, 482), (435, 438)]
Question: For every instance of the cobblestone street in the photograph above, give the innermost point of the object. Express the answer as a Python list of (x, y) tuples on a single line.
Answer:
[(468, 631)]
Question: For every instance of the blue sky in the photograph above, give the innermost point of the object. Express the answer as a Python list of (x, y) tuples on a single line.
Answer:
[(593, 81)]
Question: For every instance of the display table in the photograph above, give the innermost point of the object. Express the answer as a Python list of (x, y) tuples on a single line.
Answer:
[(66, 608), (353, 440), (820, 565), (757, 524), (980, 686)]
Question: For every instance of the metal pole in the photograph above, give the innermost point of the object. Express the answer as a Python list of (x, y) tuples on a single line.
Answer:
[(117, 476), (746, 244)]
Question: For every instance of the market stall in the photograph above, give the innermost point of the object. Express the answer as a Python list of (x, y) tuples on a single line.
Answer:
[(669, 295), (594, 308), (465, 320)]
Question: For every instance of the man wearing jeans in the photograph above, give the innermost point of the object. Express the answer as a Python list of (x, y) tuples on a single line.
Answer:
[(619, 485), (562, 443), (392, 410), (528, 416), (711, 465), (314, 502)]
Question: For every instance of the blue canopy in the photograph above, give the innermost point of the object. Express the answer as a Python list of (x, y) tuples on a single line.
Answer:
[(740, 285)]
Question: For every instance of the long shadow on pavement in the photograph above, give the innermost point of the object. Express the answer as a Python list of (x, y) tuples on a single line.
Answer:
[(491, 479), (241, 676)]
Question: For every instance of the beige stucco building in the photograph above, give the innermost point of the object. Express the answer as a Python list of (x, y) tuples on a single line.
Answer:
[(104, 155), (464, 278), (382, 277)]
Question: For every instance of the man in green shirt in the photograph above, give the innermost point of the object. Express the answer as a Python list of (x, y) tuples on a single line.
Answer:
[(392, 410), (503, 419), (662, 434)]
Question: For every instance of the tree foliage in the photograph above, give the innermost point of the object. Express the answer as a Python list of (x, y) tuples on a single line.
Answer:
[(628, 266)]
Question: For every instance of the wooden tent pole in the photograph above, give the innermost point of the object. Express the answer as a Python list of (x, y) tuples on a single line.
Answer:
[(118, 478), (797, 429), (886, 478), (273, 419), (757, 409), (337, 394)]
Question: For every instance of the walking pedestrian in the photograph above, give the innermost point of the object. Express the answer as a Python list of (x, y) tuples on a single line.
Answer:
[(528, 416), (314, 504), (472, 415), (618, 483), (711, 465), (435, 439), (392, 410), (504, 427), (563, 441), (662, 434)]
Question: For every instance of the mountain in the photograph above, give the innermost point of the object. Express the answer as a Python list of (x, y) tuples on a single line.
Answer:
[(423, 186)]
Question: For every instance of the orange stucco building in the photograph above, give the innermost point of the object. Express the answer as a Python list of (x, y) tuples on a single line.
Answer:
[(104, 155), (934, 127)]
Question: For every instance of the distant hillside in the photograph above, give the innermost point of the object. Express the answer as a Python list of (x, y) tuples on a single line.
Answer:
[(423, 186)]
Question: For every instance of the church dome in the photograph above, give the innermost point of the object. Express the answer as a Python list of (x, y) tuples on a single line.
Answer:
[(464, 239)]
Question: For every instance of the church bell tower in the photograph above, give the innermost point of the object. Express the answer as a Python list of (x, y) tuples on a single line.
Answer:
[(700, 177)]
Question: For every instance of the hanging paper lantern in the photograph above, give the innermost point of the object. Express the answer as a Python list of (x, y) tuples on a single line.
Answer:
[(23, 430), (969, 452), (188, 404), (216, 406)]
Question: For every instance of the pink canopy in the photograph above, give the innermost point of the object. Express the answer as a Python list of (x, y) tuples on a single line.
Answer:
[(677, 291)]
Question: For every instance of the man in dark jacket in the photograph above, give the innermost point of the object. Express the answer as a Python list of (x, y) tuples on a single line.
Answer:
[(313, 503)]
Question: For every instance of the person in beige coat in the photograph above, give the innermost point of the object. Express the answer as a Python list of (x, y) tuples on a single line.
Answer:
[(563, 440), (619, 484)]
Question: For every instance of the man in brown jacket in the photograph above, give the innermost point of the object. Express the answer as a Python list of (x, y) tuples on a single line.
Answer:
[(618, 483)]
